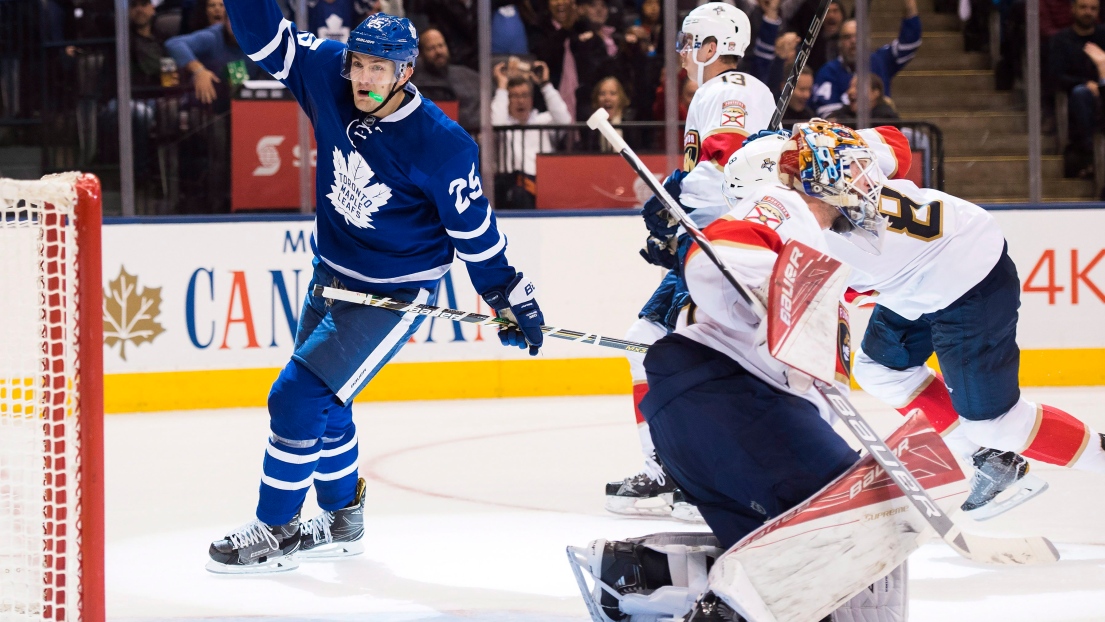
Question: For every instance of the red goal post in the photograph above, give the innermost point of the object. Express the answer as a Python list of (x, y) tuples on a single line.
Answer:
[(51, 400)]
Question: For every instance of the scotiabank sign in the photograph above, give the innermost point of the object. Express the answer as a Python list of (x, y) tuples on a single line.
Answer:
[(266, 155)]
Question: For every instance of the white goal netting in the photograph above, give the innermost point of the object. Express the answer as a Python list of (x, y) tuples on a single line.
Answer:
[(40, 467)]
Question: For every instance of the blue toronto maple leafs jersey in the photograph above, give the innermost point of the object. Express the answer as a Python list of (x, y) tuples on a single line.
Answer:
[(396, 196)]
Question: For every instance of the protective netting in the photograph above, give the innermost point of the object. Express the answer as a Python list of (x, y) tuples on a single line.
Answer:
[(39, 415)]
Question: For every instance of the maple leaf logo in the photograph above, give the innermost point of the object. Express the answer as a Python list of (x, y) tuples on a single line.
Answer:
[(351, 193), (129, 314)]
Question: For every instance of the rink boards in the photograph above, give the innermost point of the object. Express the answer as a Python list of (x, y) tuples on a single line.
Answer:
[(201, 314)]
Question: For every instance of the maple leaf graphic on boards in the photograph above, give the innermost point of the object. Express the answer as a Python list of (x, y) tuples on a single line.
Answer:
[(353, 194), (130, 315)]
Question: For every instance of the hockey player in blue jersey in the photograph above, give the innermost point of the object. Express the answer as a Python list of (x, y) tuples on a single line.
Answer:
[(398, 192)]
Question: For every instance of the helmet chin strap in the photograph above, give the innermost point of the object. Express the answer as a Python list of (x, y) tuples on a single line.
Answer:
[(384, 102), (702, 66)]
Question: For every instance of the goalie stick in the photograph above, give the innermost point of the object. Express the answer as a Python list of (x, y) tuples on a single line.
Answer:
[(983, 549), (467, 317), (800, 59)]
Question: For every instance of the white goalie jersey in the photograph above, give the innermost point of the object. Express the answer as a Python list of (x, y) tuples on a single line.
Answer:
[(724, 111), (936, 248), (748, 239)]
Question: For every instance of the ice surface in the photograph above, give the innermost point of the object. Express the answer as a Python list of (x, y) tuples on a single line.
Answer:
[(470, 506)]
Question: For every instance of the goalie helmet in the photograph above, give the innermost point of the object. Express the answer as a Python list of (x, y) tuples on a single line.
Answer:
[(723, 22), (383, 36), (833, 163), (756, 163)]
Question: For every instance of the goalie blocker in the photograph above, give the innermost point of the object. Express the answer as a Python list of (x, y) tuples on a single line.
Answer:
[(841, 553)]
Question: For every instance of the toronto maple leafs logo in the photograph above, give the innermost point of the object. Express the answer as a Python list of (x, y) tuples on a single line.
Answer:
[(353, 194)]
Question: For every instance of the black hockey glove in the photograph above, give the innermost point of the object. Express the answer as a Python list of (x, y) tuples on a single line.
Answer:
[(518, 305), (660, 252), (659, 222)]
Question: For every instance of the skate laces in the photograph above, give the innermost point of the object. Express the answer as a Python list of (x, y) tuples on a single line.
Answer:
[(252, 533), (319, 527), (653, 471)]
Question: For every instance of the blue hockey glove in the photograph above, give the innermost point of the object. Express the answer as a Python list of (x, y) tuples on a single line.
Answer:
[(660, 252), (763, 133), (517, 304), (659, 222)]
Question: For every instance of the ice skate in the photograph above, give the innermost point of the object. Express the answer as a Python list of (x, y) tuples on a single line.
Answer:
[(337, 533), (710, 608), (655, 577), (256, 548), (683, 510), (998, 472), (648, 493)]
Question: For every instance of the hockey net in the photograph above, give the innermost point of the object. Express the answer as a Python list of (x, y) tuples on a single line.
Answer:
[(51, 400)]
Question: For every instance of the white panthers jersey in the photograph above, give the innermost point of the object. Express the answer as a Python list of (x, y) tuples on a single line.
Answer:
[(748, 239), (724, 111), (936, 248)]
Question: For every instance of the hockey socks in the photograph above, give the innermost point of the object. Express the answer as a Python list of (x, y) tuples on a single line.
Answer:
[(933, 399), (1043, 433), (286, 475), (336, 473)]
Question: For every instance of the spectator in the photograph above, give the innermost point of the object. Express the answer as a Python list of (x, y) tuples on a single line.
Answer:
[(214, 60), (217, 66), (456, 20), (832, 80), (797, 14), (597, 13), (765, 34), (145, 50), (1078, 62), (610, 95), (515, 184), (333, 19), (798, 108), (881, 108), (575, 56), (212, 12), (508, 27), (643, 54), (440, 81)]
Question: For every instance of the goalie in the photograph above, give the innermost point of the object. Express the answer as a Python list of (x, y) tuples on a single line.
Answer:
[(746, 436)]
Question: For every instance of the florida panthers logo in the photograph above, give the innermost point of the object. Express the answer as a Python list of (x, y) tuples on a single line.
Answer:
[(768, 165), (691, 149), (353, 194)]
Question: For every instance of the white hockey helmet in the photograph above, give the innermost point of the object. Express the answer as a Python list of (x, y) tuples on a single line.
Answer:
[(724, 22), (752, 165)]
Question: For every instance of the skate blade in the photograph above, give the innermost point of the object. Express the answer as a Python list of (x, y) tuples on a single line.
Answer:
[(631, 506), (687, 513), (1030, 487), (283, 563), (334, 550)]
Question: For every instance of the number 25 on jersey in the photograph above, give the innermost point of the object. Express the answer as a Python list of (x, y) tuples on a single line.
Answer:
[(474, 188)]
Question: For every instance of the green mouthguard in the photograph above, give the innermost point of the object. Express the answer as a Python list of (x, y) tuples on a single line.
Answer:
[(375, 96)]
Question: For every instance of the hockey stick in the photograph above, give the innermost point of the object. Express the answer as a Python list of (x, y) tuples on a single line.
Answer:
[(383, 302), (799, 64), (977, 548)]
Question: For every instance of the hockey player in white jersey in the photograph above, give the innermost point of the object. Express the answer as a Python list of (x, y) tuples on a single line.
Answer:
[(944, 283), (728, 107), (746, 436)]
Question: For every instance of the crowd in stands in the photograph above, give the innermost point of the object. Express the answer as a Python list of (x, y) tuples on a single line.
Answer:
[(554, 62)]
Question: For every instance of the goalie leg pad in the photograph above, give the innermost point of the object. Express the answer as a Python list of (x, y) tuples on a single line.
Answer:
[(887, 600), (741, 450)]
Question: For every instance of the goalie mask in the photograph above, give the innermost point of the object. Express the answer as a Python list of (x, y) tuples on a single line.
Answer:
[(833, 163), (756, 163), (725, 23)]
